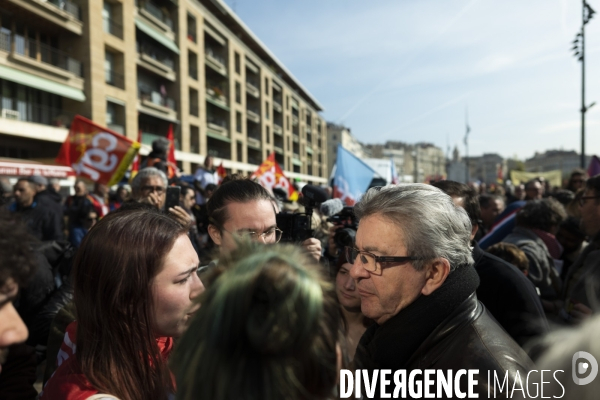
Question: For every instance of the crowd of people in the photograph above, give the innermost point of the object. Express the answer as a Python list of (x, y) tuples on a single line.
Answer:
[(112, 293)]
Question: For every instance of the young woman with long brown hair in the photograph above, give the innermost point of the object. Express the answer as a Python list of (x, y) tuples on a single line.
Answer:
[(134, 281)]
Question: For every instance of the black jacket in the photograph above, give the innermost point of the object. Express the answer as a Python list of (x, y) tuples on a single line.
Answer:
[(468, 339), (510, 297), (42, 222)]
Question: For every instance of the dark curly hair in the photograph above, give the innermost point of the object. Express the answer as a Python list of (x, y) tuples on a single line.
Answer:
[(541, 214), (16, 256)]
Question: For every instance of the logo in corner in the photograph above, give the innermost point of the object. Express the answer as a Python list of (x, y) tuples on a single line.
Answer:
[(581, 367)]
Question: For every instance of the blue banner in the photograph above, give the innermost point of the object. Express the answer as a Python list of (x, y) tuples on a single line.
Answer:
[(352, 177)]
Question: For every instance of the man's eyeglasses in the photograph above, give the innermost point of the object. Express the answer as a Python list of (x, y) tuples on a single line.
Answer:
[(150, 189), (373, 263), (270, 236), (584, 198)]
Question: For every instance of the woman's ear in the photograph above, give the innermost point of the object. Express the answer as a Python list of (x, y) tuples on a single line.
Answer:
[(215, 234)]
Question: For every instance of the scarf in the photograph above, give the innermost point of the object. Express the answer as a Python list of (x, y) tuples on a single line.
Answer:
[(68, 382), (554, 247), (392, 344)]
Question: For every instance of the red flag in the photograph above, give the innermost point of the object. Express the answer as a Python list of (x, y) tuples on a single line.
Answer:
[(594, 167), (135, 167), (171, 155), (221, 172), (96, 153), (270, 176)]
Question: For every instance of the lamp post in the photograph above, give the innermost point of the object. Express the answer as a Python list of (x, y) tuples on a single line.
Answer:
[(579, 47)]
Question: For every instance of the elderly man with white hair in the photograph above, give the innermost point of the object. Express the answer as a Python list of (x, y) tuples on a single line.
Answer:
[(413, 269)]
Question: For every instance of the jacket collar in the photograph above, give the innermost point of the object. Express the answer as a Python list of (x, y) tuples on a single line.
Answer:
[(428, 353)]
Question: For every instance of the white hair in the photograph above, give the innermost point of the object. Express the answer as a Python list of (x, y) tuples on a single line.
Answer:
[(432, 225)]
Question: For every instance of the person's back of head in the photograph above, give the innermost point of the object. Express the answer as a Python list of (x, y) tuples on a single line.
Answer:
[(545, 214), (566, 352), (465, 195), (511, 254), (268, 329)]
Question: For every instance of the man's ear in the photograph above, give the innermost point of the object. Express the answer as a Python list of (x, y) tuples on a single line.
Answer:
[(215, 234), (474, 230), (437, 272)]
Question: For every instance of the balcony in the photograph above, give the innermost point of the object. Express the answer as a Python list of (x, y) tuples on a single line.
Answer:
[(215, 96), (114, 79), (253, 115), (156, 105), (277, 106), (254, 143), (217, 128), (113, 27), (154, 60), (62, 13), (308, 130), (40, 56), (296, 138), (277, 129), (294, 120), (252, 89), (156, 17), (37, 113), (278, 149), (215, 61)]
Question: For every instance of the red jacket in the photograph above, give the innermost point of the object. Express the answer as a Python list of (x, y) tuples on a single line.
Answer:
[(68, 382)]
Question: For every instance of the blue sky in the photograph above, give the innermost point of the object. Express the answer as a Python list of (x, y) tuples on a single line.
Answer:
[(407, 70)]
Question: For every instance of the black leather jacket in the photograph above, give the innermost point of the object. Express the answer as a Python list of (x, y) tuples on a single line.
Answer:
[(470, 338)]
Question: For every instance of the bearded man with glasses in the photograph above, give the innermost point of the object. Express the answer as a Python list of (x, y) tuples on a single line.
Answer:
[(413, 269)]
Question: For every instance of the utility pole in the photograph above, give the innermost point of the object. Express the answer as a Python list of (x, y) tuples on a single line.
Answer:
[(579, 46), (467, 129)]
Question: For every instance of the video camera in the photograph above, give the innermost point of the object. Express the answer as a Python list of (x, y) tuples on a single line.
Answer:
[(296, 227), (344, 236)]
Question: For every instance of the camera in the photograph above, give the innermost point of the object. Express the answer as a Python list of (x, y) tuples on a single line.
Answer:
[(344, 236), (296, 227)]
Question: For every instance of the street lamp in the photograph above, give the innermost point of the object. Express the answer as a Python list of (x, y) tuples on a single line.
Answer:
[(579, 47)]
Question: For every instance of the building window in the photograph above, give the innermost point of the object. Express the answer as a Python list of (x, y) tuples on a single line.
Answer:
[(111, 64), (115, 117), (287, 103), (192, 65), (288, 143), (267, 86), (191, 28), (240, 149), (238, 93), (287, 122), (268, 135), (238, 121), (267, 110), (194, 139), (194, 107), (238, 67)]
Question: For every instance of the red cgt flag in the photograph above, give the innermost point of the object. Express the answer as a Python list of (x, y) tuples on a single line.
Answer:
[(171, 155), (96, 153), (270, 176)]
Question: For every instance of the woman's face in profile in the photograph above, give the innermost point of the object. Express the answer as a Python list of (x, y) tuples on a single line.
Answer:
[(175, 287), (345, 288)]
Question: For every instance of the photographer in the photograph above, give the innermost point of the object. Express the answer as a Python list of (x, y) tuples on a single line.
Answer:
[(343, 230), (241, 207)]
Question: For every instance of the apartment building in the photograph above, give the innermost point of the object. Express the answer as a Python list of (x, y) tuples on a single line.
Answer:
[(341, 135), (145, 65)]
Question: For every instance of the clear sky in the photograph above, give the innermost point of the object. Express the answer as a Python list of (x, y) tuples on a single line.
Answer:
[(407, 70)]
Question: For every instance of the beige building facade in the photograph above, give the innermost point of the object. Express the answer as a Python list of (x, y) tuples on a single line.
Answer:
[(341, 135), (145, 65)]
